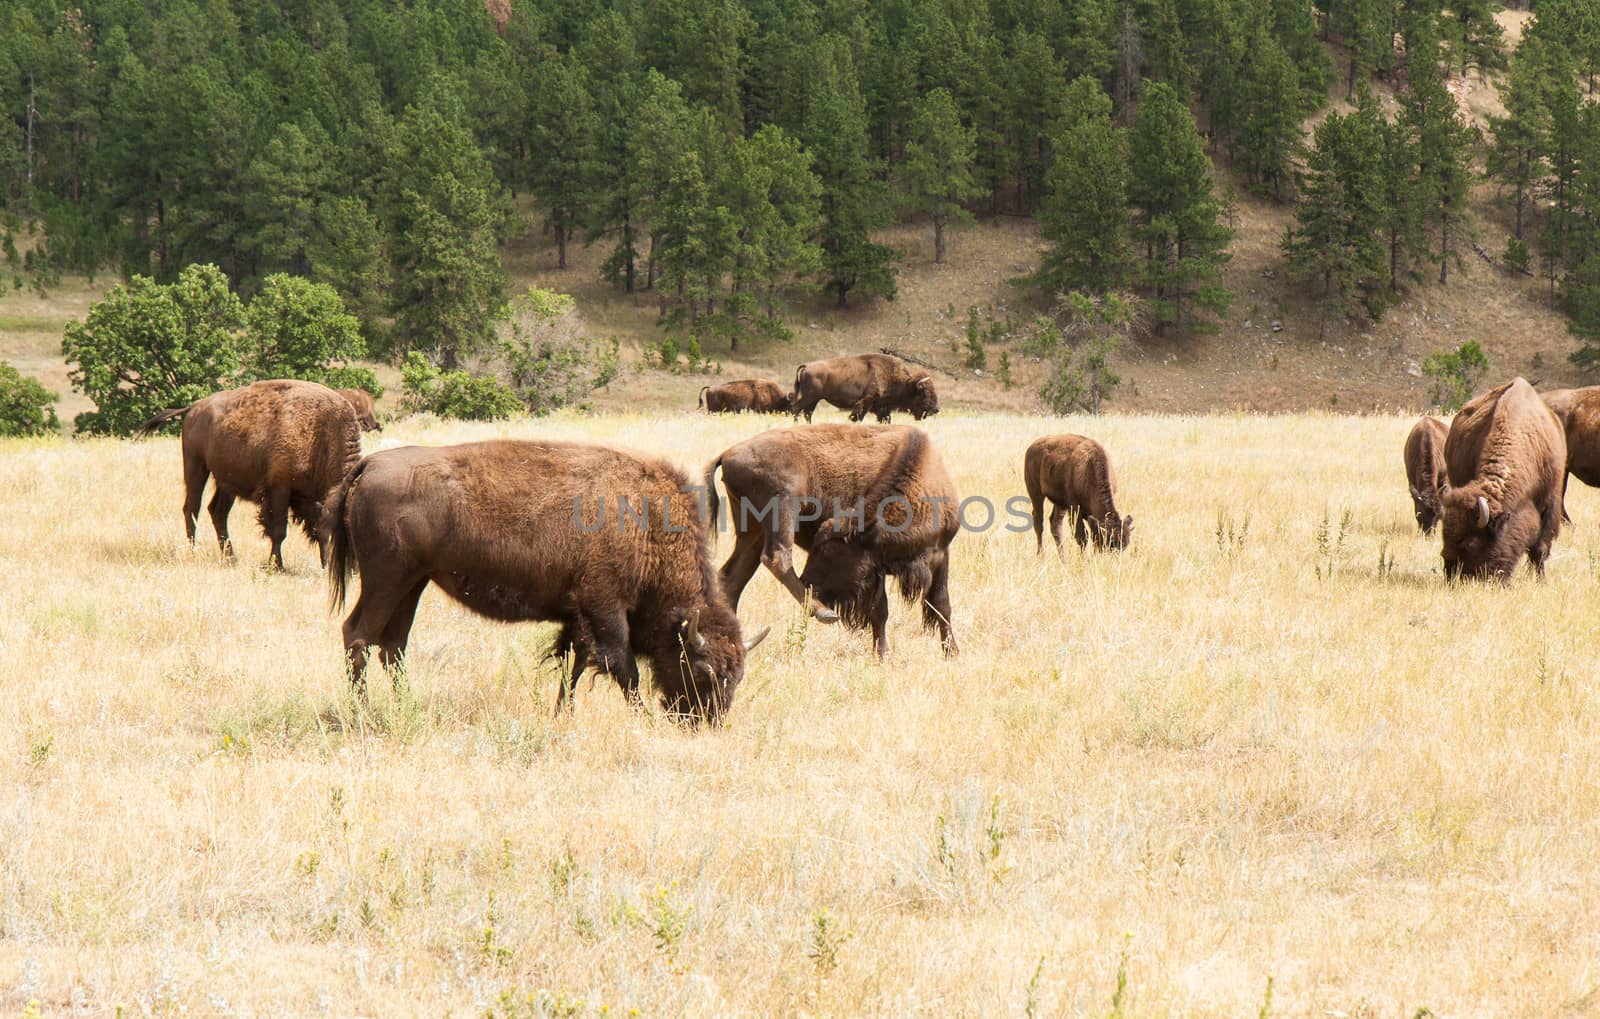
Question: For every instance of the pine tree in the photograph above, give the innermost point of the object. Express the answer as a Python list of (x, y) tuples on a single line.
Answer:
[(560, 145), (1269, 129), (1177, 217), (1337, 237), (1514, 156), (1444, 148), (1084, 216), (772, 199), (937, 171), (854, 202), (612, 181)]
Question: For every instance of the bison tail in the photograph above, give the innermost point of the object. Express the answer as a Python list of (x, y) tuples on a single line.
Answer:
[(335, 532), (160, 419), (702, 401), (713, 509)]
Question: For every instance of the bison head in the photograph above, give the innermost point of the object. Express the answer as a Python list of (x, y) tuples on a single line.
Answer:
[(844, 574), (924, 401), (708, 664), (1480, 539), (1425, 505), (1113, 532)]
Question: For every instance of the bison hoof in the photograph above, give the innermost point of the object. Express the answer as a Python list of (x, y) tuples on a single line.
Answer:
[(823, 614)]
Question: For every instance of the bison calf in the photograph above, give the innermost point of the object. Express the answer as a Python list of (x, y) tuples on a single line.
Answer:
[(1424, 457), (876, 384), (281, 444), (1073, 472), (865, 504), (1504, 459), (609, 544), (759, 396)]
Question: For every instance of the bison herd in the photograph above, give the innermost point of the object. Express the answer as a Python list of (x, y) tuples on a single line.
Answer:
[(615, 546)]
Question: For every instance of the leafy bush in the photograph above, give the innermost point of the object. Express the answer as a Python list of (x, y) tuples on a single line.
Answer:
[(297, 329), (454, 394), (1455, 374), (349, 376), (549, 364), (25, 405), (1081, 376), (147, 346)]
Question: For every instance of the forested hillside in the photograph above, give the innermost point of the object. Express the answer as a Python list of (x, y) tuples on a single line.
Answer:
[(729, 159)]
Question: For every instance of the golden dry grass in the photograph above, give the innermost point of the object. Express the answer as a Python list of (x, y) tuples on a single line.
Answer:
[(1212, 752)]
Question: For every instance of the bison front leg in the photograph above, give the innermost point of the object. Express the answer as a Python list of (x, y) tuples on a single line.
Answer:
[(778, 556), (275, 522), (879, 619), (613, 653), (1038, 524), (936, 607), (221, 506)]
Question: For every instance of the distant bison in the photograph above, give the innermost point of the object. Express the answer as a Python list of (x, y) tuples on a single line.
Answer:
[(280, 444), (1425, 469), (1578, 410), (1073, 472), (876, 384), (366, 410), (1504, 459), (607, 543), (865, 504), (760, 396)]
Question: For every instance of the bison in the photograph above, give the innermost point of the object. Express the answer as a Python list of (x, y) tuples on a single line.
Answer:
[(366, 410), (759, 396), (1504, 459), (1578, 411), (281, 444), (1425, 469), (865, 504), (607, 543), (876, 384), (1072, 471)]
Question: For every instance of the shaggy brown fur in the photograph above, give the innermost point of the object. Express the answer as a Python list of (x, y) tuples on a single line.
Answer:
[(1504, 459), (535, 531), (1578, 410), (280, 444), (876, 384), (800, 486), (759, 396), (1425, 469), (366, 410), (1073, 472)]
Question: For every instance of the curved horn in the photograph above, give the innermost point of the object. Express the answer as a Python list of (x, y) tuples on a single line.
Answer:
[(1483, 512), (692, 635), (760, 636)]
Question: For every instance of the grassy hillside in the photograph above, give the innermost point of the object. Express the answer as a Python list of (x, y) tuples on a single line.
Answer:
[(1239, 752)]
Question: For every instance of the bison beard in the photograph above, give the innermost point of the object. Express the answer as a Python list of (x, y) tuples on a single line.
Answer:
[(494, 525)]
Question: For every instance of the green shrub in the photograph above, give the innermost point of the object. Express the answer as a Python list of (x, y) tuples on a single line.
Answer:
[(454, 394), (549, 362), (349, 376), (1455, 374), (25, 405)]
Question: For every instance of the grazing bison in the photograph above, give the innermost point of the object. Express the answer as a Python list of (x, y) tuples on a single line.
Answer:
[(366, 410), (1425, 469), (1072, 471), (1504, 459), (1578, 411), (280, 444), (876, 384), (865, 504), (609, 544), (760, 396)]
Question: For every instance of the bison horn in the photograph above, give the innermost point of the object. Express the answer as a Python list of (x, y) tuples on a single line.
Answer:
[(692, 635), (761, 635), (1483, 512)]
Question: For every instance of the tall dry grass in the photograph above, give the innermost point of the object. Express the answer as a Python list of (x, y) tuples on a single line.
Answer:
[(1242, 751)]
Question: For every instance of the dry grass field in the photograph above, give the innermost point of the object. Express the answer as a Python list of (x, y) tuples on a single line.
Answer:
[(1267, 746)]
